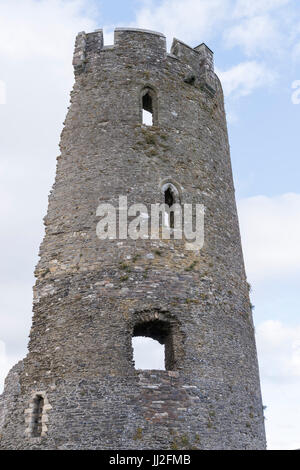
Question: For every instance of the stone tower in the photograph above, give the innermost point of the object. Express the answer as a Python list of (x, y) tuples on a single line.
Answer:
[(78, 387)]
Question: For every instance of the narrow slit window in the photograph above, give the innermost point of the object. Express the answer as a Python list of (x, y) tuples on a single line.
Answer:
[(148, 106), (37, 413), (147, 109), (169, 201)]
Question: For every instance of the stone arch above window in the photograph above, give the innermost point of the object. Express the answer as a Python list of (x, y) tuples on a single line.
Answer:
[(173, 187), (148, 103), (171, 195)]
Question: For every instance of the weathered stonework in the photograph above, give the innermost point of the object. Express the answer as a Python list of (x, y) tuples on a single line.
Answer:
[(91, 296)]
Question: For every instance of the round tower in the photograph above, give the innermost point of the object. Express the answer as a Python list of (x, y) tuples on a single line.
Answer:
[(78, 387)]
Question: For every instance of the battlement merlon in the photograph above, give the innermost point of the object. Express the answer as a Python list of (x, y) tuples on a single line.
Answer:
[(145, 43), (200, 56)]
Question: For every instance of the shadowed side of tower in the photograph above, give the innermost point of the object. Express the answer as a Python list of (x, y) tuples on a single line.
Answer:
[(78, 387)]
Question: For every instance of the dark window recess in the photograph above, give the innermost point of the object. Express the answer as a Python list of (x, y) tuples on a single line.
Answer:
[(147, 103), (38, 405), (169, 201), (160, 331), (147, 109)]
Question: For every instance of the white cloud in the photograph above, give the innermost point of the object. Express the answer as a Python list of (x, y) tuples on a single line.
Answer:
[(279, 349), (189, 20), (33, 29), (279, 356), (2, 92), (254, 35), (244, 78), (6, 364), (296, 52), (270, 228), (256, 7), (282, 415)]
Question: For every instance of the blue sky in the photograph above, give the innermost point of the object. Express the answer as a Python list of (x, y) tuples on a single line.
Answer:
[(256, 44)]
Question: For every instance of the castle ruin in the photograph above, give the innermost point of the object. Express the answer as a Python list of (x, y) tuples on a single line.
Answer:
[(78, 387)]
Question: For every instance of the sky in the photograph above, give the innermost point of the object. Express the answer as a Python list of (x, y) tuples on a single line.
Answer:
[(256, 46)]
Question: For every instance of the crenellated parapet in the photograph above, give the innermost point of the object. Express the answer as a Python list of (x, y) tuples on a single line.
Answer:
[(147, 47)]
